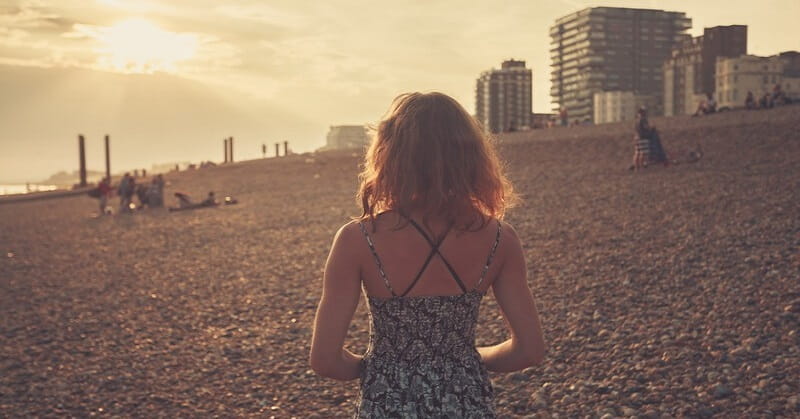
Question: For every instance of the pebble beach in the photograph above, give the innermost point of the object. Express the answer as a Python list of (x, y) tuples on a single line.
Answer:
[(665, 293)]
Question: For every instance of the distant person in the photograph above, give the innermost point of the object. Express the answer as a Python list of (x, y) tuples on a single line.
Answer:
[(711, 104), (777, 93), (647, 146), (641, 140), (183, 200), (562, 114), (701, 108), (765, 102), (155, 192), (779, 97), (142, 193), (425, 251), (750, 101), (131, 191), (210, 200), (104, 192), (125, 185)]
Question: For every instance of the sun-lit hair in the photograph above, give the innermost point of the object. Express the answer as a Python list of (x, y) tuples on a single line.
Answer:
[(428, 154)]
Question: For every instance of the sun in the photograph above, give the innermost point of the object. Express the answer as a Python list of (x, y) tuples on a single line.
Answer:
[(139, 46)]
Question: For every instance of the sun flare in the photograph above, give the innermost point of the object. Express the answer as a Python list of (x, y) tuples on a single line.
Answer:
[(139, 46)]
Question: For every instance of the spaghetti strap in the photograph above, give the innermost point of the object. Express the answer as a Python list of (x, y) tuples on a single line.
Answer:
[(435, 247), (377, 259), (491, 255)]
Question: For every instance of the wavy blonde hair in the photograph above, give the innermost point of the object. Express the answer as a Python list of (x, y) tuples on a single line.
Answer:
[(429, 154)]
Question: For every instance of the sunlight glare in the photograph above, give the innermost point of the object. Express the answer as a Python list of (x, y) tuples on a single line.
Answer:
[(139, 46)]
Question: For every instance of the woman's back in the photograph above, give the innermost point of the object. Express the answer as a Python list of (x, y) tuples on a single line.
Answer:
[(422, 360), (402, 248)]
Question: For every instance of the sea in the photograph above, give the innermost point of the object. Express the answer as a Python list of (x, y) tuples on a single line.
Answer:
[(13, 189)]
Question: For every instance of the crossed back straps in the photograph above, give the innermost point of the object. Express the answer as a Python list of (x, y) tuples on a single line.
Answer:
[(433, 252)]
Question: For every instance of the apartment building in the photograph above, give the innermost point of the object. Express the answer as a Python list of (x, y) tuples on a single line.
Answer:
[(611, 49), (503, 97), (735, 77), (689, 72)]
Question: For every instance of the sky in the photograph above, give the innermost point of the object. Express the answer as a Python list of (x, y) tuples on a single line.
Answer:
[(168, 80)]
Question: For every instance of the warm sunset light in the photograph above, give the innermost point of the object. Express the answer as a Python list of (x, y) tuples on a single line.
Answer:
[(139, 46)]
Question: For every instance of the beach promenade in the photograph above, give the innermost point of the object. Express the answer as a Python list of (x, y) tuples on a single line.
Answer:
[(671, 292)]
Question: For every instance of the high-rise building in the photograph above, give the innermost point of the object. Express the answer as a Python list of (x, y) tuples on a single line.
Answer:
[(609, 48), (503, 97), (689, 72)]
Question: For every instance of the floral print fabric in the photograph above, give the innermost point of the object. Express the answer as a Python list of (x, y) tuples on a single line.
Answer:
[(422, 361)]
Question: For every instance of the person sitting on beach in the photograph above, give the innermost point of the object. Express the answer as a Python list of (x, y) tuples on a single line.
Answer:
[(765, 102), (750, 101), (641, 140), (428, 246), (701, 108), (711, 104)]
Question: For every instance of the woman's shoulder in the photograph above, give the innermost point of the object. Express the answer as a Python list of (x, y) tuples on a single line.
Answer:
[(350, 230), (508, 239)]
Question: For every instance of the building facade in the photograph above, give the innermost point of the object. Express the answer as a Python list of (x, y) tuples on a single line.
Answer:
[(735, 77), (346, 137), (614, 106), (503, 97), (689, 72), (618, 106), (609, 49)]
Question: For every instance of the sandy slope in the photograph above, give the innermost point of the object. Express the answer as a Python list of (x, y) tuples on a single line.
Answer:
[(668, 292)]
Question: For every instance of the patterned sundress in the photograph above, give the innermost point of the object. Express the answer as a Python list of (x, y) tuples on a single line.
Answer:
[(422, 361)]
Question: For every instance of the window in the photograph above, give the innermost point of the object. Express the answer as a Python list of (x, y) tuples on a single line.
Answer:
[(766, 79)]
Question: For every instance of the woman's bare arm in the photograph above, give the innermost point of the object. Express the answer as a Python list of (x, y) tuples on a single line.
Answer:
[(526, 346), (340, 293)]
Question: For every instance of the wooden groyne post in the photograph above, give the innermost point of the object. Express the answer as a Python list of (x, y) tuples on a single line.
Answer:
[(225, 146), (285, 148), (82, 153), (230, 145), (108, 159), (277, 149)]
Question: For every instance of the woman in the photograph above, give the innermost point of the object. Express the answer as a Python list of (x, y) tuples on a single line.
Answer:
[(641, 140), (426, 249)]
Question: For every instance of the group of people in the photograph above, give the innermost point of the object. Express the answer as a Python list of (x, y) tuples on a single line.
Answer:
[(150, 195), (767, 100)]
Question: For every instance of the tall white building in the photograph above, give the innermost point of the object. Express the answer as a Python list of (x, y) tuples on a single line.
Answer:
[(503, 97), (759, 75)]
